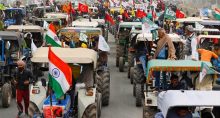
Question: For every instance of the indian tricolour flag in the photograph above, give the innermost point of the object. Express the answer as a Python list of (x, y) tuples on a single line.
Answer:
[(216, 13), (51, 37), (60, 75)]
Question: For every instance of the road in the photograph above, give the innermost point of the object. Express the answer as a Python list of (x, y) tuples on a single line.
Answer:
[(122, 103)]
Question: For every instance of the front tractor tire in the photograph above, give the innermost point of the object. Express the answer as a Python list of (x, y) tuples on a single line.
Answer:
[(32, 110), (121, 64), (91, 111)]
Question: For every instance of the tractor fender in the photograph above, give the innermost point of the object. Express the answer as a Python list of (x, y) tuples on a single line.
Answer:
[(39, 98), (84, 101)]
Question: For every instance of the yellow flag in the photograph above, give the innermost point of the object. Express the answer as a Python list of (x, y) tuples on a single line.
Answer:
[(132, 13), (121, 10)]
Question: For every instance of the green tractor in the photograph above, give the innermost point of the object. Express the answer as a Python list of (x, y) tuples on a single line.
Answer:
[(122, 40)]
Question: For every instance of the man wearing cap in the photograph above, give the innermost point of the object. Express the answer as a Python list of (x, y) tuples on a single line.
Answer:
[(22, 81), (190, 49)]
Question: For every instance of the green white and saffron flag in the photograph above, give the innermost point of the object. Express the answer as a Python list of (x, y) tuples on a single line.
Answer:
[(51, 37), (60, 74)]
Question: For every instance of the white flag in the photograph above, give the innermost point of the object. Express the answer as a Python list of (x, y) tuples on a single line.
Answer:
[(57, 10), (33, 46), (199, 26), (133, 28), (83, 37), (145, 28), (45, 26), (125, 4), (103, 45)]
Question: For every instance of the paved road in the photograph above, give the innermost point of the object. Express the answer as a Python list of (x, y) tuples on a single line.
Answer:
[(122, 103)]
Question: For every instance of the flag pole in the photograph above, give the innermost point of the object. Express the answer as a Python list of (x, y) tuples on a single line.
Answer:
[(51, 105), (50, 90)]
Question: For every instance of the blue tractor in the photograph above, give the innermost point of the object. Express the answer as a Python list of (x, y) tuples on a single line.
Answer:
[(14, 16), (10, 52)]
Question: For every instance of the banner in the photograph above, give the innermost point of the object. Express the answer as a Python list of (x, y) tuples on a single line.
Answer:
[(205, 69), (154, 35), (170, 14), (150, 23)]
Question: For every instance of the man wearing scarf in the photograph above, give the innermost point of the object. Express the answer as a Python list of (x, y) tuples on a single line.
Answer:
[(164, 50)]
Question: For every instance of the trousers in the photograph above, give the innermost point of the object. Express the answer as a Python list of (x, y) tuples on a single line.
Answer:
[(22, 95)]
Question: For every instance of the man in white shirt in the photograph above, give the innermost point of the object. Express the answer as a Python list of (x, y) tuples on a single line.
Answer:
[(190, 49)]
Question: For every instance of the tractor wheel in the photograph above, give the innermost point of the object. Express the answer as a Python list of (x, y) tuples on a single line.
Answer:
[(99, 103), (130, 62), (132, 75), (138, 95), (148, 112), (138, 75), (103, 86), (91, 111), (134, 89), (99, 83), (32, 110), (119, 53), (128, 74), (121, 64), (6, 95), (106, 89), (145, 112)]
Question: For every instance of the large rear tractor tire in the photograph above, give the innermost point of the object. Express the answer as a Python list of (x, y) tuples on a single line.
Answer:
[(103, 86), (132, 75), (130, 62), (6, 95), (106, 89), (32, 110), (121, 64), (134, 89), (138, 94), (119, 53), (91, 111)]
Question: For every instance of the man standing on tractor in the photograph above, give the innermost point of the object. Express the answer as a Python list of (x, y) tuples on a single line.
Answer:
[(23, 78), (164, 50), (190, 49)]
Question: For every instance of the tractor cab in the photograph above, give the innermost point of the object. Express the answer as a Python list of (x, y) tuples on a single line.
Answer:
[(14, 16), (74, 103), (36, 32), (69, 34)]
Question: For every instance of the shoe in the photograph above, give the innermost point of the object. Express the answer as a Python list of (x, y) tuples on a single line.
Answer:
[(19, 114), (26, 116)]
